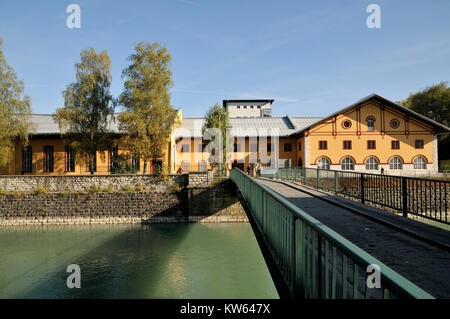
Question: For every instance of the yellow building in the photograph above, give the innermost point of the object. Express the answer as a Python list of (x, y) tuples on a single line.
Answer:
[(369, 135), (373, 134)]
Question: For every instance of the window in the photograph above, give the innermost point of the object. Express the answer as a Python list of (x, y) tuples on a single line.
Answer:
[(371, 145), (323, 145), (323, 163), (347, 164), (346, 124), (186, 166), (184, 148), (237, 148), (396, 163), (202, 166), (269, 148), (395, 145), (253, 147), (370, 123), (299, 146), (48, 159), (420, 163), (70, 159), (27, 159), (135, 163), (395, 123), (238, 107), (92, 165), (371, 164), (347, 145), (419, 143), (287, 147), (113, 155)]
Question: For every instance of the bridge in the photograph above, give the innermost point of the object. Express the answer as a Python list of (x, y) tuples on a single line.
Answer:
[(326, 246)]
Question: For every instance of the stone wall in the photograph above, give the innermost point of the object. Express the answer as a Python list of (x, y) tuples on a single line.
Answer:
[(80, 183), (200, 178), (213, 203)]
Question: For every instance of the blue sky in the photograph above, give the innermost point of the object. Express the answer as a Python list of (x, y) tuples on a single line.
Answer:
[(312, 57)]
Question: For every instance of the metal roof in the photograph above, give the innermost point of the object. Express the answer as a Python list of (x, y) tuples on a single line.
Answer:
[(44, 124), (250, 127)]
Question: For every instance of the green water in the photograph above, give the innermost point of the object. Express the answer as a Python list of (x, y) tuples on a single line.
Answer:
[(134, 261)]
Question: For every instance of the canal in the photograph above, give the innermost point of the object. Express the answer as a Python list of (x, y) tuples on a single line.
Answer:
[(134, 261)]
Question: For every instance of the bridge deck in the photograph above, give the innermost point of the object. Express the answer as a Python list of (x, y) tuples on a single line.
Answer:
[(422, 262)]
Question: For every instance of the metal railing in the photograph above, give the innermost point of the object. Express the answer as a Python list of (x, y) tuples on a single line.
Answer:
[(315, 261), (427, 198)]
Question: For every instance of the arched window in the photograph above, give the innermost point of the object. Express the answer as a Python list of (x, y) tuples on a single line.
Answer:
[(347, 164), (372, 163), (323, 163), (370, 123), (420, 163), (396, 163)]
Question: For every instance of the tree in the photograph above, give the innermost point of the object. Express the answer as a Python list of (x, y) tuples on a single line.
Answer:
[(217, 117), (434, 103), (15, 108), (88, 107), (148, 117)]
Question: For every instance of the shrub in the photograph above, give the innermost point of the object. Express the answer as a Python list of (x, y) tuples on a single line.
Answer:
[(41, 190), (126, 189), (163, 173)]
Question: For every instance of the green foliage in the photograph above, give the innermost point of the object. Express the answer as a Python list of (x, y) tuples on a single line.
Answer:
[(434, 103), (176, 188), (126, 189), (88, 107), (148, 116), (139, 188), (95, 189), (15, 109), (163, 172), (41, 190), (217, 117), (122, 165)]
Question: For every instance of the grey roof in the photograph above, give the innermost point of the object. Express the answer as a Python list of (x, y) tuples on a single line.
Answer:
[(44, 124), (260, 126)]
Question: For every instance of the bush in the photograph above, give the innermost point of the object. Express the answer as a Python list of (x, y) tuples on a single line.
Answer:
[(41, 190), (163, 173), (122, 166)]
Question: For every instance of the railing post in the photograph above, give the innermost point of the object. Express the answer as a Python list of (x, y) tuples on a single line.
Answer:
[(335, 182), (304, 176), (318, 177), (405, 198), (362, 189)]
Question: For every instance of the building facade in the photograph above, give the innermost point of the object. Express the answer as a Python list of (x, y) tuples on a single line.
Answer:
[(371, 135)]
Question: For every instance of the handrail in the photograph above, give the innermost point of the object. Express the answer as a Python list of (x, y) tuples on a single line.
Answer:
[(425, 198), (301, 241)]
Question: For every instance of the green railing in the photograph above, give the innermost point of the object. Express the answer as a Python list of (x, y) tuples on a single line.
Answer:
[(315, 261), (416, 196)]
